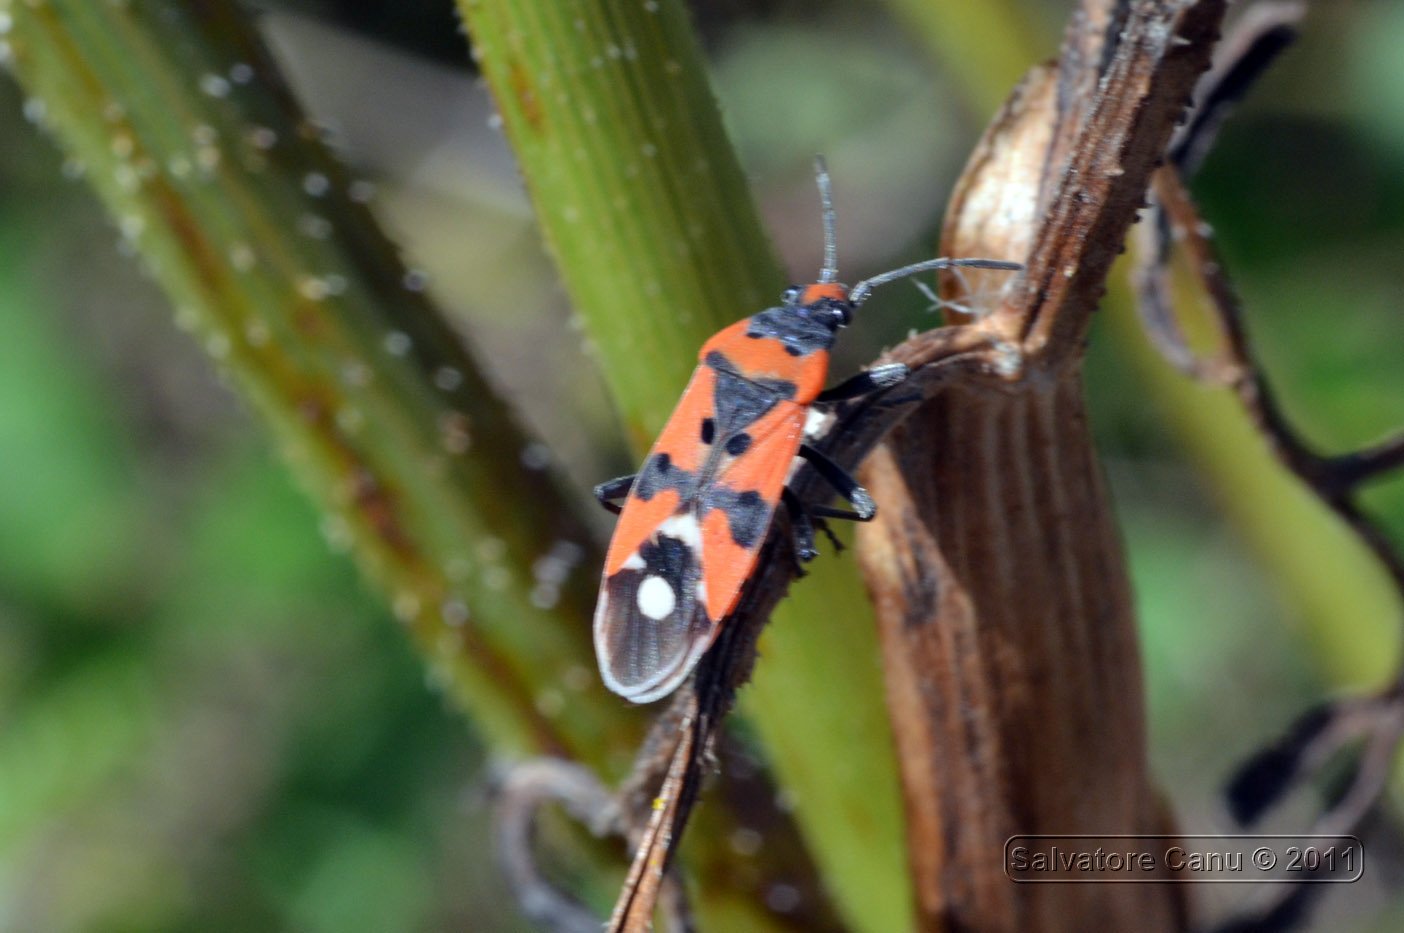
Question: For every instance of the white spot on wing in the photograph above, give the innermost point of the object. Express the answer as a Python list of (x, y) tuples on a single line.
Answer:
[(635, 562), (684, 528), (816, 422), (656, 598)]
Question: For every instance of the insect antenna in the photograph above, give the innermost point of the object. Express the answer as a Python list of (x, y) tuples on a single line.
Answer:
[(826, 201), (863, 289)]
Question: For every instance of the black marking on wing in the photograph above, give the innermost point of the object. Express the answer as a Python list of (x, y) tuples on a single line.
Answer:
[(738, 444), (661, 473), (747, 514), (793, 325)]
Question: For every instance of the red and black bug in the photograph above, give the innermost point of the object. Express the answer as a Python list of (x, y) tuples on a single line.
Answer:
[(695, 516)]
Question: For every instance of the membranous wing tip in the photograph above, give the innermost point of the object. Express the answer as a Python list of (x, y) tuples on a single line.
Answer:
[(651, 624)]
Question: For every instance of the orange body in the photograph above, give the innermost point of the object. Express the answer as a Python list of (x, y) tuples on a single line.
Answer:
[(691, 529)]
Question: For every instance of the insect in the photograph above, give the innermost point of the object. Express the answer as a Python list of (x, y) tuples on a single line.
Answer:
[(695, 515)]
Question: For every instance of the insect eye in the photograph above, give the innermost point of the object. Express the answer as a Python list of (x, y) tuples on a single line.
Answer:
[(840, 314), (790, 295)]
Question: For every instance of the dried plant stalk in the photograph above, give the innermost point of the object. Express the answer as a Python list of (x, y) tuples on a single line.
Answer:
[(1014, 679)]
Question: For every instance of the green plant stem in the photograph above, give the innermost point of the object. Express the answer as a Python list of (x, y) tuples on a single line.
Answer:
[(985, 47), (644, 206), (640, 201), (177, 117)]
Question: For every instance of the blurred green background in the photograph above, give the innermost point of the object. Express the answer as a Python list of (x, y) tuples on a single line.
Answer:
[(206, 720)]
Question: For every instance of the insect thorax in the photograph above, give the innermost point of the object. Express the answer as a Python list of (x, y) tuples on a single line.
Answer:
[(803, 329)]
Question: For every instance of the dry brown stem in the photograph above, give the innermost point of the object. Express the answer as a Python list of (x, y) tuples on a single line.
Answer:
[(1005, 612)]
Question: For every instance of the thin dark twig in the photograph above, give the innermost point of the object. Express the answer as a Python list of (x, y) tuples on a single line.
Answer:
[(1334, 479), (1357, 467), (1259, 36), (1335, 482), (1323, 733), (644, 886)]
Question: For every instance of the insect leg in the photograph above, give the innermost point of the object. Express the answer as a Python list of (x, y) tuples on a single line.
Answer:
[(802, 526), (613, 489), (836, 476), (869, 380)]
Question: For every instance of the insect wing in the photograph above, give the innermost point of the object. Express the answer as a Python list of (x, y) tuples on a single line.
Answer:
[(743, 497), (687, 539), (650, 626)]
